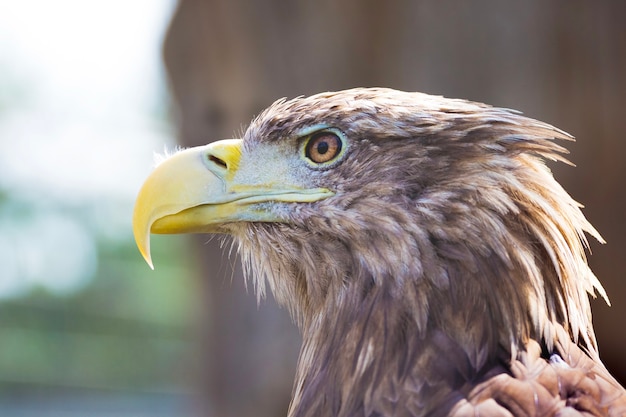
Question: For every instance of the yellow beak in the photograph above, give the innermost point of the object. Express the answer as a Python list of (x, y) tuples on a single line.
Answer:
[(198, 189)]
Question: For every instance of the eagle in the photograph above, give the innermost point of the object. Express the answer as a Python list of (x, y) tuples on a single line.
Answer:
[(433, 264)]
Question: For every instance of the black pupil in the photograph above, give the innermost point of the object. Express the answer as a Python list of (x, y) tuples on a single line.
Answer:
[(322, 147)]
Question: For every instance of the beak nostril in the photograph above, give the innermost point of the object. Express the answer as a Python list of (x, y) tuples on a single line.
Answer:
[(218, 161)]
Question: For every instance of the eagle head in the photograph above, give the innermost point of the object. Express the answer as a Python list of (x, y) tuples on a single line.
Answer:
[(403, 231)]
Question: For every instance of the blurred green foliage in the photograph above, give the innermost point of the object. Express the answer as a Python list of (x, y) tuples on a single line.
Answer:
[(128, 329)]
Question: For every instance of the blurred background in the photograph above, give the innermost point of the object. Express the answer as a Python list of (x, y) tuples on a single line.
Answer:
[(85, 328), (89, 91)]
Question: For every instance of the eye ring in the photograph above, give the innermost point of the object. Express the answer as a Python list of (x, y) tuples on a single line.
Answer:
[(323, 147)]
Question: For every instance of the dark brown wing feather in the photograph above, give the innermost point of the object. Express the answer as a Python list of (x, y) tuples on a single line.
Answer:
[(568, 383)]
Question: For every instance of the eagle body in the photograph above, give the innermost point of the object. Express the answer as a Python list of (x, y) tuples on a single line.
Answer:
[(433, 264)]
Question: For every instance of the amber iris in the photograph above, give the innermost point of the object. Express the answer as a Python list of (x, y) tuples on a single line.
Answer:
[(323, 147)]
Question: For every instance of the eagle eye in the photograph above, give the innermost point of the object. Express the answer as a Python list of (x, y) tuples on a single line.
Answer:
[(323, 147)]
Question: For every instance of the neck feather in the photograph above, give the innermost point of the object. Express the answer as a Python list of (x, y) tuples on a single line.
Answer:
[(466, 274)]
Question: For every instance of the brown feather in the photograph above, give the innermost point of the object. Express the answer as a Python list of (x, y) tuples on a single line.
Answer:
[(447, 274)]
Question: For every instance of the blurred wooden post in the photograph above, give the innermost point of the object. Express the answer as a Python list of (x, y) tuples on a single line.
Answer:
[(564, 63)]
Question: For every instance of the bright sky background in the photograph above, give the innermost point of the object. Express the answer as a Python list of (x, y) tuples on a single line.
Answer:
[(82, 110)]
